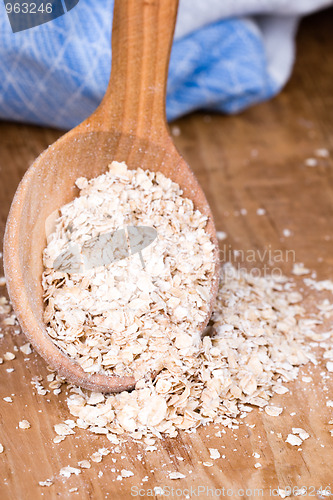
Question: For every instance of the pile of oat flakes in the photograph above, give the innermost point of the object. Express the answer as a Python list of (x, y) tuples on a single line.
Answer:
[(124, 318)]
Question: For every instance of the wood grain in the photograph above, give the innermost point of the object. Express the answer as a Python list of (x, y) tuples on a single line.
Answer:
[(248, 161)]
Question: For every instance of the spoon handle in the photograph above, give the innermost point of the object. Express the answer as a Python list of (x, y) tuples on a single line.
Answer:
[(142, 36)]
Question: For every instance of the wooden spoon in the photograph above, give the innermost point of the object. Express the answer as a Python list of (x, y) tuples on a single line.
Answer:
[(129, 125)]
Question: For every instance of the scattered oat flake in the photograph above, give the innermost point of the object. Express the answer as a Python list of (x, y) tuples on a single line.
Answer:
[(293, 440), (208, 464), (280, 389), (175, 130), (26, 349), (214, 453), (329, 403), (283, 493), (257, 465), (311, 162), (84, 464), (1, 448), (322, 153), (96, 457), (24, 424), (255, 454), (68, 471), (221, 235), (151, 448), (8, 399), (103, 451), (58, 439), (301, 433), (176, 475), (63, 430), (329, 366), (113, 439), (273, 411), (126, 473), (299, 269), (300, 491), (9, 356), (324, 493), (46, 483), (10, 321)]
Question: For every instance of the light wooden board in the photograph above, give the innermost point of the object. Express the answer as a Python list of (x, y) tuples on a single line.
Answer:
[(254, 160)]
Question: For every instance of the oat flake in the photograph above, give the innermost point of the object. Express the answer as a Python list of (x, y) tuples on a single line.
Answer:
[(273, 411), (108, 318), (176, 475), (46, 483), (24, 424), (293, 440), (214, 453)]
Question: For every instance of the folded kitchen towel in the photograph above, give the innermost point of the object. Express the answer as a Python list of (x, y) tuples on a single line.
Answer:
[(227, 55)]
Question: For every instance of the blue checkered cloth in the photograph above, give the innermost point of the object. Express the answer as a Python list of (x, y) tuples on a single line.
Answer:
[(56, 74)]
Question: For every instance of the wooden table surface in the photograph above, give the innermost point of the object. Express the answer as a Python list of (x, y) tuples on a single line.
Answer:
[(254, 160)]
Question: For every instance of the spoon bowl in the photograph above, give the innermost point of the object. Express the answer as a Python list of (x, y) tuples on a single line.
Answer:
[(129, 125)]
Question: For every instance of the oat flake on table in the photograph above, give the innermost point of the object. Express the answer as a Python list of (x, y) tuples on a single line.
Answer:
[(125, 318)]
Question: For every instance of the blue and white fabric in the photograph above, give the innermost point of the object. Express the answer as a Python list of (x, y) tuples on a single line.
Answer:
[(226, 56)]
